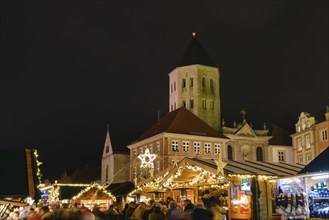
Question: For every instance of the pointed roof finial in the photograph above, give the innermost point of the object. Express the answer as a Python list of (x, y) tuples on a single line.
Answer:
[(243, 113)]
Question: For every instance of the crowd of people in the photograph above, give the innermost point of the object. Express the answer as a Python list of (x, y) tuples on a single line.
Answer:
[(151, 210)]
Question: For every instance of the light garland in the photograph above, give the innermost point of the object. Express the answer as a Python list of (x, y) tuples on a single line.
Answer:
[(94, 185), (202, 177), (147, 159), (39, 174)]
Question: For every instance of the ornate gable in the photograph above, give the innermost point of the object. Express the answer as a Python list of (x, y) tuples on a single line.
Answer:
[(245, 130)]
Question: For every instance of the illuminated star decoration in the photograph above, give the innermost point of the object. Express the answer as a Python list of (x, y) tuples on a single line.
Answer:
[(220, 165), (147, 159)]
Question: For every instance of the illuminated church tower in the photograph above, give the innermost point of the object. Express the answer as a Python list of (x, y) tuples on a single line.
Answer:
[(194, 84)]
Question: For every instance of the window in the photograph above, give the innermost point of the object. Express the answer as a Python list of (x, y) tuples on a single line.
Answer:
[(259, 154), (151, 148), (229, 152), (184, 104), (174, 86), (141, 150), (184, 83), (191, 103), (203, 103), (171, 88), (308, 141), (212, 85), (203, 82), (171, 107), (207, 148), (135, 172), (135, 152), (196, 147), (300, 159), (175, 106), (324, 135), (281, 156), (191, 82), (308, 158), (107, 148), (158, 147), (299, 144), (186, 146), (174, 146), (211, 104), (217, 149)]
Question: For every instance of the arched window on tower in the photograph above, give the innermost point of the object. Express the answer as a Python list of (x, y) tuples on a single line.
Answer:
[(229, 152), (259, 154), (212, 85), (203, 82), (107, 148)]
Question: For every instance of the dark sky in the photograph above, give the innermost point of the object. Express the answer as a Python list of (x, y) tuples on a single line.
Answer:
[(70, 68)]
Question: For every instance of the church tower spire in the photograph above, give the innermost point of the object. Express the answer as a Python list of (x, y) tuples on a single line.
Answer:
[(194, 84), (107, 159)]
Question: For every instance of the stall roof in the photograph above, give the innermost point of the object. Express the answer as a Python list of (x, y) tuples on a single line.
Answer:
[(255, 167), (121, 189), (318, 164)]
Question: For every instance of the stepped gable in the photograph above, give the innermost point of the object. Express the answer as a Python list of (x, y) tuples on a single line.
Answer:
[(196, 54), (181, 121)]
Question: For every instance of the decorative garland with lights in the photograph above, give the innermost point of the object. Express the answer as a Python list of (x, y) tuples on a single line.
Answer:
[(203, 177), (95, 185), (36, 169)]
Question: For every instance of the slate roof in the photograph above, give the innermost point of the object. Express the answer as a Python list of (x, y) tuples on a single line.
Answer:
[(196, 54), (181, 121), (121, 189), (86, 174), (280, 137), (318, 164)]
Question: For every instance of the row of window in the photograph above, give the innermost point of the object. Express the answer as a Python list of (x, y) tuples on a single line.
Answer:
[(208, 147), (191, 104), (191, 84), (308, 158), (307, 142)]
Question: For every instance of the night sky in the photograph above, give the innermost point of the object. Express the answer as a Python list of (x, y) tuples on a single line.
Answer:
[(70, 68)]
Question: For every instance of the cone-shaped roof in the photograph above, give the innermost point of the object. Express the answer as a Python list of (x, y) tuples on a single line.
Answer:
[(196, 54), (181, 121)]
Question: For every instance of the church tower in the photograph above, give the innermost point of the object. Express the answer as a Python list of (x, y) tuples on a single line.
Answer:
[(195, 83), (107, 160)]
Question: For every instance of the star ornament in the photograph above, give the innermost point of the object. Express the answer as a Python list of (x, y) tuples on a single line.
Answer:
[(147, 159), (220, 166)]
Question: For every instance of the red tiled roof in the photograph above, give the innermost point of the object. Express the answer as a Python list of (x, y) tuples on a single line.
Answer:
[(181, 121)]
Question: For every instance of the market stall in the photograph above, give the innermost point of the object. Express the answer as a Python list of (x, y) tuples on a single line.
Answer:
[(93, 195), (304, 195)]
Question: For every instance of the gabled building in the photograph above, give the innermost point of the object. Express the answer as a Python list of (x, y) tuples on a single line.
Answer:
[(280, 146), (177, 135), (112, 163), (311, 136), (245, 142)]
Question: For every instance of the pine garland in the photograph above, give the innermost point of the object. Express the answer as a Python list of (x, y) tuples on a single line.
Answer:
[(255, 199)]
